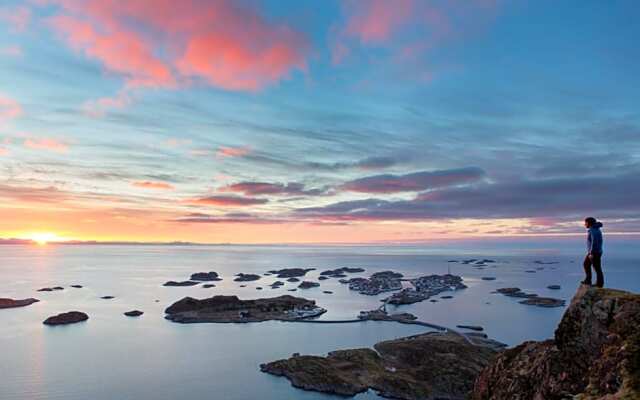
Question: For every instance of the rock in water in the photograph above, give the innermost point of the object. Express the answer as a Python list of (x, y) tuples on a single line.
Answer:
[(428, 366), (134, 313), (595, 354), (308, 285), (182, 283), (246, 277), (205, 276), (11, 303), (70, 317)]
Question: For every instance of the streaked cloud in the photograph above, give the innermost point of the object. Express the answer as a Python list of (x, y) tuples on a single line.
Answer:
[(276, 189), (227, 201), (414, 182), (153, 185), (47, 144), (225, 151)]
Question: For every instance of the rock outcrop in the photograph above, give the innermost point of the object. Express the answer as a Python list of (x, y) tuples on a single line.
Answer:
[(595, 354), (12, 303), (428, 366), (70, 317)]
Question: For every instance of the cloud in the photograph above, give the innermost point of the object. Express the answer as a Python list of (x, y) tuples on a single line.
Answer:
[(266, 188), (558, 198), (52, 145), (224, 151), (20, 195), (227, 201), (154, 43), (152, 185), (414, 182), (9, 108), (407, 29), (230, 218), (18, 17), (11, 51), (375, 21), (98, 108)]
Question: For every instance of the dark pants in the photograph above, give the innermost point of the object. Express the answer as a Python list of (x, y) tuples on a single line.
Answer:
[(596, 263)]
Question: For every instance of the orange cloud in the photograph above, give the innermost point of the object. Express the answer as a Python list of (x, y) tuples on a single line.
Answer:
[(52, 145), (152, 185), (9, 108), (154, 43), (224, 151), (227, 201)]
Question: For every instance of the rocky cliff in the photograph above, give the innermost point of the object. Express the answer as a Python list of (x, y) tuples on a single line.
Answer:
[(595, 354), (422, 367)]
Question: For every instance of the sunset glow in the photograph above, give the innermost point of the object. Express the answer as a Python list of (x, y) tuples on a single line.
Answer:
[(342, 121), (42, 238)]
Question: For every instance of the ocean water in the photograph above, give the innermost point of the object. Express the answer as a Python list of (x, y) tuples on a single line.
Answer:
[(115, 357)]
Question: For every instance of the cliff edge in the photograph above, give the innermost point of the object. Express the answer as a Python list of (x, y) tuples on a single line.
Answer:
[(595, 354)]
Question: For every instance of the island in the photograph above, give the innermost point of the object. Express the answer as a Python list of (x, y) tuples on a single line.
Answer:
[(377, 283), (12, 303), (531, 299), (425, 287), (426, 366), (70, 317), (181, 283), (227, 309), (241, 277), (290, 272), (205, 276), (134, 313)]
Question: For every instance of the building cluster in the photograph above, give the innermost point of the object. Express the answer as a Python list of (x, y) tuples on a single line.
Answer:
[(425, 287), (379, 282)]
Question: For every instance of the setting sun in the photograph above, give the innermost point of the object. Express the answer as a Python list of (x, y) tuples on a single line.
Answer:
[(43, 238)]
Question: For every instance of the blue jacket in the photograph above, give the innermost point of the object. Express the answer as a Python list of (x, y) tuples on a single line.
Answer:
[(594, 239)]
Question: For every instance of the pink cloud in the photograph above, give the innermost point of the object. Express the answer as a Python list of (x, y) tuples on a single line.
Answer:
[(233, 151), (152, 185), (4, 151), (97, 108), (12, 51), (407, 28), (227, 201), (9, 108), (18, 17), (375, 21), (154, 43), (52, 145)]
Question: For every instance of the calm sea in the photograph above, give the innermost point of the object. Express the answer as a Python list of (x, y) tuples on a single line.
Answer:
[(115, 357)]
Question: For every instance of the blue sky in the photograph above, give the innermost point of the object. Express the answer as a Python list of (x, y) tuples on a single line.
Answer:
[(450, 118)]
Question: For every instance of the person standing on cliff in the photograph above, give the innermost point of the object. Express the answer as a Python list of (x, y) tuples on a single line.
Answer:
[(594, 252)]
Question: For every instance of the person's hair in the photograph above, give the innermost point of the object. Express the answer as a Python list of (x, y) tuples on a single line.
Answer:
[(590, 221)]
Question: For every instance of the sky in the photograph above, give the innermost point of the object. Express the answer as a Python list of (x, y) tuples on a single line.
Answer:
[(246, 121)]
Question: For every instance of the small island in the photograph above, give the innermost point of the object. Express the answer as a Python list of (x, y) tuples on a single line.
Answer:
[(377, 283), (426, 287), (70, 317), (228, 309)]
